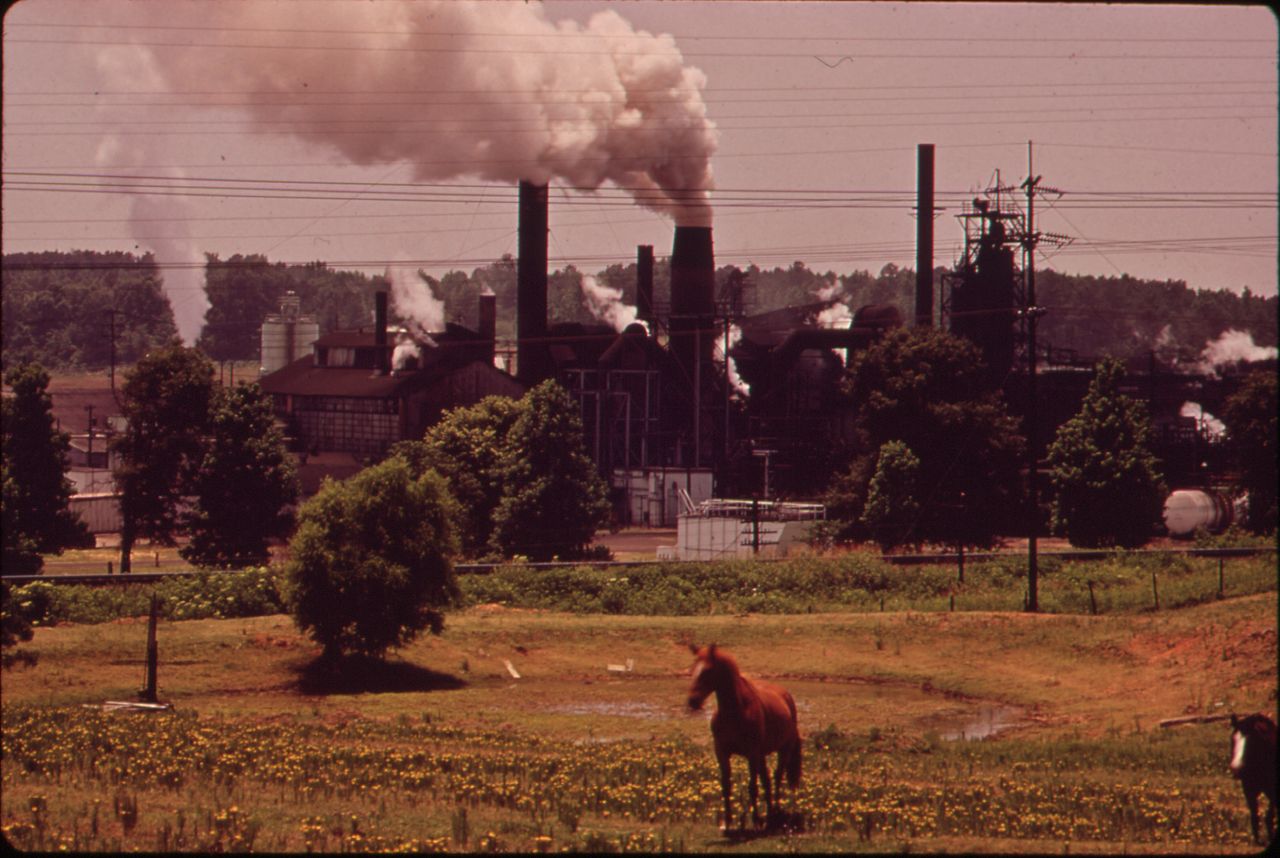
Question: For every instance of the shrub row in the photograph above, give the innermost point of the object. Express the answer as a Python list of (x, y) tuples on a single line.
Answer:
[(1122, 583)]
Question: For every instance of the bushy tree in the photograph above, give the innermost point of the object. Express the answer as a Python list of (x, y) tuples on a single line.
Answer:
[(925, 388), (892, 509), (1250, 417), (552, 498), (371, 561), (37, 518), (1106, 484), (166, 399), (245, 485), (466, 448)]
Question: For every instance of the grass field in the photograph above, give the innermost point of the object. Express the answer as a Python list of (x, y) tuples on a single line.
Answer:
[(443, 748)]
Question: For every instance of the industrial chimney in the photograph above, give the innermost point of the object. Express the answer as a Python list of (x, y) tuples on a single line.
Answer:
[(489, 323), (924, 235), (644, 283), (531, 286), (693, 284)]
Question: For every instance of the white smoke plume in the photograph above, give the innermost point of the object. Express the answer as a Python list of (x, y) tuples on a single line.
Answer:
[(1207, 423), (722, 354), (605, 303), (1230, 347), (837, 314), (499, 92), (414, 302), (180, 261)]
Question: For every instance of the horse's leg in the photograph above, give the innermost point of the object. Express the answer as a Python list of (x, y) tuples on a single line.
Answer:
[(753, 768), (1251, 799), (726, 785), (770, 797)]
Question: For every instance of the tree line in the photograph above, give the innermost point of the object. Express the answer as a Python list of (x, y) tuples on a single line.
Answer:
[(58, 307)]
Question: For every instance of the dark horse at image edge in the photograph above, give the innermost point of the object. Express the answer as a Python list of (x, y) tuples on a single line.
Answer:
[(1253, 762), (753, 719)]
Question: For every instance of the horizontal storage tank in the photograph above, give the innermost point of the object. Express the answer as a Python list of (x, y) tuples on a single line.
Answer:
[(1188, 510)]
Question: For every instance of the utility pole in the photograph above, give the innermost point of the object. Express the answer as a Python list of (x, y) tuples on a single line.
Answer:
[(1032, 313)]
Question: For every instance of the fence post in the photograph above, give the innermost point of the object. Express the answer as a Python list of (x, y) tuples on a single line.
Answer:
[(1155, 590), (1093, 603)]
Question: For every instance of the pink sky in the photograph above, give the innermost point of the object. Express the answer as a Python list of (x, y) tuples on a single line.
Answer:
[(1157, 122)]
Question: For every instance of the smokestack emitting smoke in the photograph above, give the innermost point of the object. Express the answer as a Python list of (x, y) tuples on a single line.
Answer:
[(501, 93)]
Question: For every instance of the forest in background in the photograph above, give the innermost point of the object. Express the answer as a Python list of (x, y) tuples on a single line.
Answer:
[(63, 309)]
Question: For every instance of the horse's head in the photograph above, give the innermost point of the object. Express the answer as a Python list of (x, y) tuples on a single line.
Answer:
[(708, 665), (1256, 729)]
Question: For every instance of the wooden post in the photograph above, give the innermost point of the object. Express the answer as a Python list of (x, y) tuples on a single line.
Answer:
[(1155, 590), (960, 555), (1093, 603), (148, 692)]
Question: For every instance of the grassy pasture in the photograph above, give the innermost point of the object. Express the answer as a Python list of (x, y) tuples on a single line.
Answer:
[(442, 748)]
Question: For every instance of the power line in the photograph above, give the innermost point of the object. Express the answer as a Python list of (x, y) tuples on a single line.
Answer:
[(1075, 56)]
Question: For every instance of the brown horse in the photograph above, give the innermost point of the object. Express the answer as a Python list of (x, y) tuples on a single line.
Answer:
[(753, 719), (1253, 762)]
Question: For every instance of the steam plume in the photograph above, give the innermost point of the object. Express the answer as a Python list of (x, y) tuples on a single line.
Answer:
[(1230, 347), (605, 303), (1210, 425), (722, 346), (180, 260), (414, 302), (500, 92)]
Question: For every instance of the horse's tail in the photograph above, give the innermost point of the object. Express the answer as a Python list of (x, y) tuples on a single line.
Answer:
[(794, 764)]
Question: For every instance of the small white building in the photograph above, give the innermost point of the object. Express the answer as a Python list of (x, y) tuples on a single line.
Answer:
[(721, 529)]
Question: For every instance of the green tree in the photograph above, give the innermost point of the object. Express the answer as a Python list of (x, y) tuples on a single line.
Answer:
[(1250, 418), (552, 498), (371, 560), (891, 509), (926, 389), (37, 518), (466, 448), (166, 399), (1106, 484), (245, 486), (79, 309)]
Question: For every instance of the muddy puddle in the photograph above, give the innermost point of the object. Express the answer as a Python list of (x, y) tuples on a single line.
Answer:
[(982, 723)]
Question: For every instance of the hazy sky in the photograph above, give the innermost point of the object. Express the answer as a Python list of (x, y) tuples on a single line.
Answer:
[(381, 133)]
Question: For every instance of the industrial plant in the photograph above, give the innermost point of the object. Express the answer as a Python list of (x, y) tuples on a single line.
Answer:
[(674, 427)]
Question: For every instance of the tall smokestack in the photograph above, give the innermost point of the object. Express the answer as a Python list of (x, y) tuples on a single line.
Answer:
[(380, 332), (644, 283), (531, 285), (489, 322), (693, 281), (924, 235)]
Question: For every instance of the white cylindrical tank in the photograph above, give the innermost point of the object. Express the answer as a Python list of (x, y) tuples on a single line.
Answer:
[(286, 336), (1188, 510)]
